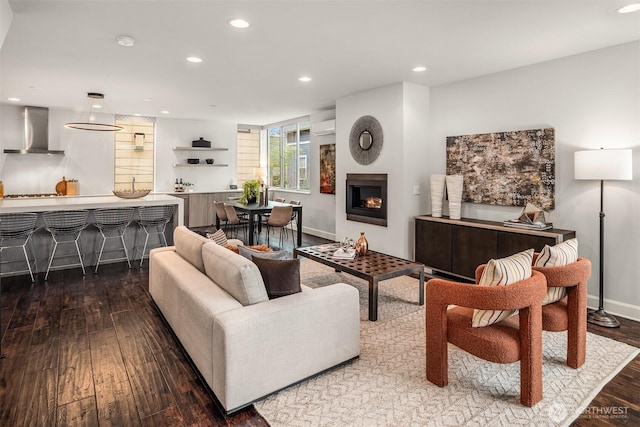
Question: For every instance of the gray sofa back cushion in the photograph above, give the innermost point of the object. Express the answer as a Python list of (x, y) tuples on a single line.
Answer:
[(234, 273), (189, 246)]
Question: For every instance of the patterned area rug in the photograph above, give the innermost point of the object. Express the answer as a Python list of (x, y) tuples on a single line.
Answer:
[(387, 385)]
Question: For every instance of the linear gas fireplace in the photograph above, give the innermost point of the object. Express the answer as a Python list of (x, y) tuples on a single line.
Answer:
[(367, 198)]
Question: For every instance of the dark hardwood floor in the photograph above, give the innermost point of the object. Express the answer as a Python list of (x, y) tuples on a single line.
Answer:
[(93, 351)]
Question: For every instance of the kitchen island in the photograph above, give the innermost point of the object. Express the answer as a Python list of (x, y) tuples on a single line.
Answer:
[(91, 239)]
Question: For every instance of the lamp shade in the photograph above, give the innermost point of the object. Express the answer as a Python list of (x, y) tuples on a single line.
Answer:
[(603, 164), (260, 171)]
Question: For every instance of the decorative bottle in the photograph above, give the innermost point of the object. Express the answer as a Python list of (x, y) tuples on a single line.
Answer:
[(362, 245)]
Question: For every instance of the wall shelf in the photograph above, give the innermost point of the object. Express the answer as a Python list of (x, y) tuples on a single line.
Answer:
[(199, 149), (189, 165)]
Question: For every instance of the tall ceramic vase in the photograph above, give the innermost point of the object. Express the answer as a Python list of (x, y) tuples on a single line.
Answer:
[(454, 191), (437, 194)]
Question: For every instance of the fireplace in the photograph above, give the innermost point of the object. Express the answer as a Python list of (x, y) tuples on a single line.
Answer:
[(367, 198)]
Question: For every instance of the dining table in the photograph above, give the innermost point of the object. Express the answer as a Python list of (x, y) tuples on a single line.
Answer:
[(255, 210)]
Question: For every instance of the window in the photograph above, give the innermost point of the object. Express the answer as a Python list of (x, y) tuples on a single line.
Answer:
[(248, 156), (289, 148), (134, 147)]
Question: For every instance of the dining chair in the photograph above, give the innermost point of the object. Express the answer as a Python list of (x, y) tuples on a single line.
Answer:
[(279, 218), (234, 222)]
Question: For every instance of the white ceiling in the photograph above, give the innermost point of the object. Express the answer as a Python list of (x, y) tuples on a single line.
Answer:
[(57, 51)]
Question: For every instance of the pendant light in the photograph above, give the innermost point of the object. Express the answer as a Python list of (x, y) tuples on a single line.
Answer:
[(89, 122)]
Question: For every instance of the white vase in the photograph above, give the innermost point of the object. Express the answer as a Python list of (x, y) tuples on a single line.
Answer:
[(437, 194), (454, 191)]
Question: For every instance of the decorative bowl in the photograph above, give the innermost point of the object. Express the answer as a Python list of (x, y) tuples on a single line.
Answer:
[(193, 161), (209, 161), (128, 194)]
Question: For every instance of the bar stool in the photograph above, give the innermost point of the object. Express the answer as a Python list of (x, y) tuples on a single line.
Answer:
[(153, 221), (15, 232), (65, 227), (112, 223)]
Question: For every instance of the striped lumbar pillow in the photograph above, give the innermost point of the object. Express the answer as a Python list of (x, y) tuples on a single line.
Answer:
[(556, 256), (219, 237), (502, 272)]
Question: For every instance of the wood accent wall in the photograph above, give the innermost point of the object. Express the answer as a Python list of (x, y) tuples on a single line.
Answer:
[(131, 160)]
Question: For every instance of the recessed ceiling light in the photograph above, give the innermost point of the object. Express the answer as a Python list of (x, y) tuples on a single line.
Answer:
[(633, 7), (238, 23), (419, 68), (164, 112), (13, 99), (137, 114), (194, 59), (147, 99), (305, 79), (125, 41), (98, 106)]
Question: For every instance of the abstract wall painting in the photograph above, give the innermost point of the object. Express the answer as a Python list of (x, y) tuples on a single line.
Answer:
[(505, 168), (328, 169)]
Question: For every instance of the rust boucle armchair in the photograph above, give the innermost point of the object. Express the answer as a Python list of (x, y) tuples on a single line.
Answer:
[(504, 342), (570, 313)]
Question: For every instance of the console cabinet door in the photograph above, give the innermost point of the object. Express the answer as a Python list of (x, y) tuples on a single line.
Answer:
[(470, 248), (511, 243), (433, 244), (200, 210)]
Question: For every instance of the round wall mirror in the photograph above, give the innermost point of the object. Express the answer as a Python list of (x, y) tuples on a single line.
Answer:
[(366, 140)]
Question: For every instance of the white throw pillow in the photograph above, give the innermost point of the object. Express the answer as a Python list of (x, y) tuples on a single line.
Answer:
[(564, 253), (502, 272)]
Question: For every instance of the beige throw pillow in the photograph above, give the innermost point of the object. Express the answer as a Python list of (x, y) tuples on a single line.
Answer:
[(561, 254), (502, 272)]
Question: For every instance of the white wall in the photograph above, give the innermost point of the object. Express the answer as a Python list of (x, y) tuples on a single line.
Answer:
[(178, 132), (403, 147), (592, 100), (6, 16)]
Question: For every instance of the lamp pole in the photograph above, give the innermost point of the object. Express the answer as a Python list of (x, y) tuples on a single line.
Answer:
[(600, 317)]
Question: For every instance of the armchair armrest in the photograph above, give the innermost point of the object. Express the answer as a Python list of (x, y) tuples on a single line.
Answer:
[(518, 295)]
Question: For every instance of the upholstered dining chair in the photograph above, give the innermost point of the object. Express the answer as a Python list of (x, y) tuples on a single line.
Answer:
[(570, 313), (236, 222), (221, 213), (279, 218), (515, 338)]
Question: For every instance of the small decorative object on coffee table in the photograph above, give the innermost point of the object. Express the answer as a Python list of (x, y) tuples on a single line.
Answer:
[(362, 245)]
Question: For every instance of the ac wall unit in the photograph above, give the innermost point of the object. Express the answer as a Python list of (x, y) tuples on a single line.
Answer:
[(328, 127)]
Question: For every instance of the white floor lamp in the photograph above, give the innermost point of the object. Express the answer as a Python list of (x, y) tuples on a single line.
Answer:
[(603, 165)]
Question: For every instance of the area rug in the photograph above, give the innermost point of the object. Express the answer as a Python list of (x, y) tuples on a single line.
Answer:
[(387, 385)]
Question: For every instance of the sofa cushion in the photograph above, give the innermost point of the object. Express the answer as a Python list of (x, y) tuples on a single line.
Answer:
[(234, 273), (562, 254), (281, 277), (262, 252), (189, 246), (502, 272)]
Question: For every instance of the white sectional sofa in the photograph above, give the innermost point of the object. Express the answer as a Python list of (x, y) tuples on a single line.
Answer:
[(245, 345)]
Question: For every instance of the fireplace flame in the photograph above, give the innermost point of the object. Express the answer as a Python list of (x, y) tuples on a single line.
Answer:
[(373, 203)]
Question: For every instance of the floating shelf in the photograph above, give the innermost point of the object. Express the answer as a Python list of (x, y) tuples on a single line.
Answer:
[(199, 149), (189, 165)]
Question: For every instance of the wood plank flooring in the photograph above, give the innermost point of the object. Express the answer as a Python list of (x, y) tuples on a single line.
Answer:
[(93, 351)]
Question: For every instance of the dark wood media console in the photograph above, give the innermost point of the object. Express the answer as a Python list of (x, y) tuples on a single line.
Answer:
[(457, 247)]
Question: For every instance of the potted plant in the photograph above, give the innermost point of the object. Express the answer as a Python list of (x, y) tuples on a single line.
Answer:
[(250, 192)]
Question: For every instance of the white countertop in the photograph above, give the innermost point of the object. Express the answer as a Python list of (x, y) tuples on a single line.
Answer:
[(65, 203)]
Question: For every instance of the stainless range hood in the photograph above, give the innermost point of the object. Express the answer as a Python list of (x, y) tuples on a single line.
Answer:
[(36, 132)]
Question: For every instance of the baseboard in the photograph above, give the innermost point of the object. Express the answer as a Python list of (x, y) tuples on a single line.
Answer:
[(628, 311), (319, 233)]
